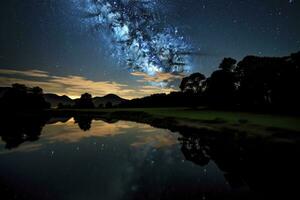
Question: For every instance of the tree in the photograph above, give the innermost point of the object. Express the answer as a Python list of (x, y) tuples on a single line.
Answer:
[(37, 91), (84, 122), (228, 64), (20, 97), (19, 87), (193, 83), (261, 80), (221, 86), (85, 101)]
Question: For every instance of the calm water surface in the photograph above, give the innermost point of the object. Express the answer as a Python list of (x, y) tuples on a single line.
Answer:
[(92, 159)]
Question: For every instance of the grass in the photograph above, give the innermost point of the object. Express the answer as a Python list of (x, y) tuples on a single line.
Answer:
[(230, 118)]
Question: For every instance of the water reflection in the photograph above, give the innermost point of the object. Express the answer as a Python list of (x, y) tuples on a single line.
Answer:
[(89, 158), (16, 130), (69, 130), (267, 166), (84, 122)]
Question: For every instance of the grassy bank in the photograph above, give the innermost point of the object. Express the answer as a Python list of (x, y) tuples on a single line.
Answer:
[(240, 120)]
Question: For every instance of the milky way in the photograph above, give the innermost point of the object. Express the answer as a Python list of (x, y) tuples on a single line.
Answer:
[(138, 36)]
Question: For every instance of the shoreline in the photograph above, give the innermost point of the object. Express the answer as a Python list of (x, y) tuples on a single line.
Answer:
[(183, 120)]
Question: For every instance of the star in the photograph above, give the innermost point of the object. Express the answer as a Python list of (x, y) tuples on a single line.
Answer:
[(136, 41)]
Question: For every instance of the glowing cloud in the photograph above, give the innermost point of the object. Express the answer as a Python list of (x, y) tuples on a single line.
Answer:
[(74, 86)]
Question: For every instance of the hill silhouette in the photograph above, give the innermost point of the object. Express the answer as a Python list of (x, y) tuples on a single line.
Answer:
[(55, 99), (112, 98)]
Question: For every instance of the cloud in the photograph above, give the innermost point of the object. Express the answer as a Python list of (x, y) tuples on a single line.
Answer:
[(155, 89), (165, 81), (74, 86), (158, 77), (31, 73)]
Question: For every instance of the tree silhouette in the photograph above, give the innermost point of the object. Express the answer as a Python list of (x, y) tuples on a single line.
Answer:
[(84, 122), (228, 64), (221, 86), (85, 101), (193, 84), (255, 82), (16, 130), (20, 97)]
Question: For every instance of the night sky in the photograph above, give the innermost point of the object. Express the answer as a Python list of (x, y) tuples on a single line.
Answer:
[(62, 47)]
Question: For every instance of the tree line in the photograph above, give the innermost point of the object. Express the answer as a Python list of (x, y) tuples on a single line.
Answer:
[(253, 83), (20, 97)]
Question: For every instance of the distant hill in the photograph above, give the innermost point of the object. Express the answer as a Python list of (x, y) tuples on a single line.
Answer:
[(55, 99), (114, 99)]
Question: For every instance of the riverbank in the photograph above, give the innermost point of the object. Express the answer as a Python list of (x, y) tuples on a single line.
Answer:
[(177, 119)]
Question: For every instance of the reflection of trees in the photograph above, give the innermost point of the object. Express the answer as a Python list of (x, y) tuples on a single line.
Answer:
[(194, 150), (84, 122), (17, 130), (263, 165)]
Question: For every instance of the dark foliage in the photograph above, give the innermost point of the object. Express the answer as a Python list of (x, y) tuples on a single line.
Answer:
[(85, 102), (271, 82), (20, 98), (64, 106), (247, 162), (84, 122), (15, 130), (221, 85), (268, 83), (193, 84)]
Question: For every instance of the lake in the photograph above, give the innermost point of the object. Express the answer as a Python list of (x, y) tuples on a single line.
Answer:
[(88, 158)]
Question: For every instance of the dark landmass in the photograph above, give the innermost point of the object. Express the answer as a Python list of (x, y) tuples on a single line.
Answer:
[(58, 101), (55, 99), (102, 101), (20, 98), (266, 84)]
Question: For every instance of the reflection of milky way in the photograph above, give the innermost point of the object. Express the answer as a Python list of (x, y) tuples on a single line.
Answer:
[(138, 37)]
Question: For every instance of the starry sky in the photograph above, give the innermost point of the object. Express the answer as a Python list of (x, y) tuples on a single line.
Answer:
[(62, 47)]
